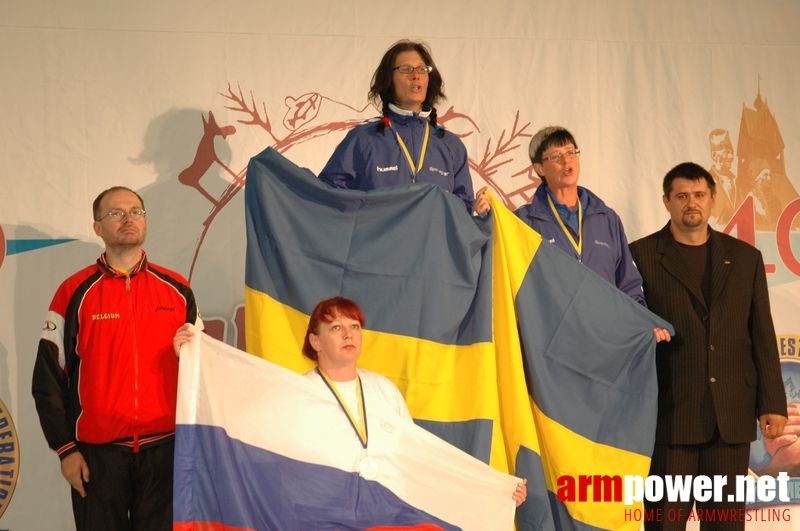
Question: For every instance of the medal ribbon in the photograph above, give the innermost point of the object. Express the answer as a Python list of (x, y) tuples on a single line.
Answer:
[(359, 427), (415, 168), (578, 246)]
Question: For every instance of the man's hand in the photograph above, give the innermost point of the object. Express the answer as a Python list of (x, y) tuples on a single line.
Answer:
[(184, 334), (76, 472), (772, 425), (784, 450)]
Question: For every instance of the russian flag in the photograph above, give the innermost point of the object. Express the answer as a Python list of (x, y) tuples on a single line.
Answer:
[(259, 447)]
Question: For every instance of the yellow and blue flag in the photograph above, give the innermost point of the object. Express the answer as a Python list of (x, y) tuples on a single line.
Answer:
[(504, 347)]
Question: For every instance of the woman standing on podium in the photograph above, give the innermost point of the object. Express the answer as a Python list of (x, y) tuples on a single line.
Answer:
[(405, 144)]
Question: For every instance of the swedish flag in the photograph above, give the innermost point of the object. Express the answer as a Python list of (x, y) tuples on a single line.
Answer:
[(504, 347)]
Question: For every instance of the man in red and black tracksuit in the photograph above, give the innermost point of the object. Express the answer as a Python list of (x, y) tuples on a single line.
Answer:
[(106, 375)]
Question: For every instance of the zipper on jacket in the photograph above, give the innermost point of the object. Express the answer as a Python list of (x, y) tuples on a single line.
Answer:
[(135, 366)]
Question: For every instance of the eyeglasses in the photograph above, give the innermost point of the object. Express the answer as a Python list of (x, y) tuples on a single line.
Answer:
[(560, 157), (408, 70), (118, 214)]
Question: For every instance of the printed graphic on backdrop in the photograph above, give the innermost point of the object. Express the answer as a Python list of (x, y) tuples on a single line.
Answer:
[(14, 246), (9, 457), (758, 203), (760, 187), (9, 247)]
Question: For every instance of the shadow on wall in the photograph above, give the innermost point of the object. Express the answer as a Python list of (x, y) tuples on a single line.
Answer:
[(175, 210), (195, 211)]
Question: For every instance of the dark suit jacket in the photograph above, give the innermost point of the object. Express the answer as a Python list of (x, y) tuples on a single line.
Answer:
[(722, 367)]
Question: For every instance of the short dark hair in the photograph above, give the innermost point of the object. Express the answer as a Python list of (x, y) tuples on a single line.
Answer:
[(690, 171), (546, 138), (325, 312), (97, 200)]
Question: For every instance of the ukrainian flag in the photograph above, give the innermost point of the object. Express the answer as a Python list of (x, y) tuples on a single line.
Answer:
[(502, 346)]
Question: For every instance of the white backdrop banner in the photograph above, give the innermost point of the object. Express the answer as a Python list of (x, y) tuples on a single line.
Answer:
[(173, 98)]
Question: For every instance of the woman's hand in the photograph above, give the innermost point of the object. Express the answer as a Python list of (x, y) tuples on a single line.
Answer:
[(662, 334), (482, 205), (521, 493)]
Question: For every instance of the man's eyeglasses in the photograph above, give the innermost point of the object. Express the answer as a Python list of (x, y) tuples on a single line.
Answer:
[(118, 214), (408, 70), (560, 157)]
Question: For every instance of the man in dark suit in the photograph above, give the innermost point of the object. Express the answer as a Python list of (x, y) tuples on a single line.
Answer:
[(720, 373)]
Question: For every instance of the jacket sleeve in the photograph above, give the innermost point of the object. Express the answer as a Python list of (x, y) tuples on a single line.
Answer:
[(627, 274), (192, 311), (771, 391), (342, 169), (50, 390), (462, 179)]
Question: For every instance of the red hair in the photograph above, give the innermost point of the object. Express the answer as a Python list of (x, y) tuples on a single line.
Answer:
[(325, 312)]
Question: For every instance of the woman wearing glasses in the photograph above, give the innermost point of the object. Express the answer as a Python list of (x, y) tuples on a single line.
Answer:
[(572, 217), (406, 144)]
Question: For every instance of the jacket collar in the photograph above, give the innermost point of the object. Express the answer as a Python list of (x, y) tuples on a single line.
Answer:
[(721, 262), (426, 112), (541, 210), (140, 266)]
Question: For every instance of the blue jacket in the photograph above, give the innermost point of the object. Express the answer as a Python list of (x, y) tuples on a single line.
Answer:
[(367, 159), (605, 247)]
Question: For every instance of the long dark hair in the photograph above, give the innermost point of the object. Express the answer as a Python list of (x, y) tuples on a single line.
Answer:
[(381, 91)]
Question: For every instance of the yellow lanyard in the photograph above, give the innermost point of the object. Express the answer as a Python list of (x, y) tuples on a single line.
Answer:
[(360, 424), (415, 168), (578, 246)]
